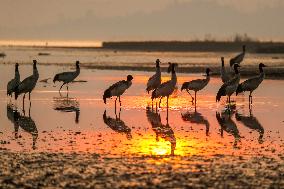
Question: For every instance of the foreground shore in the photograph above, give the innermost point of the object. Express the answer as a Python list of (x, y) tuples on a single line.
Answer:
[(75, 170)]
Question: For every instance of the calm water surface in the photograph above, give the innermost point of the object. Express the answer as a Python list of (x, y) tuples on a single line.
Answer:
[(81, 122)]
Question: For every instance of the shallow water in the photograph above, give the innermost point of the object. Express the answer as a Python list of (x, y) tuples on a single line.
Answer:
[(81, 122)]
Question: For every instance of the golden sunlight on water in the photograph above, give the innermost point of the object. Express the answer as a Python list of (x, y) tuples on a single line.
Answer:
[(51, 43)]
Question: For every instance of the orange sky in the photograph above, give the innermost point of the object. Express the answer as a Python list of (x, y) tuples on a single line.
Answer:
[(100, 20)]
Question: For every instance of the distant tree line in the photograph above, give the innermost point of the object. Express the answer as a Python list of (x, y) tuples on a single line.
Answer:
[(197, 46)]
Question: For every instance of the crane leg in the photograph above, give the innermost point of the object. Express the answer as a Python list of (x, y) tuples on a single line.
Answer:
[(119, 113), (29, 96), (250, 98), (190, 95), (250, 110), (167, 101), (119, 100), (30, 109), (24, 101), (194, 97), (160, 102), (156, 106), (207, 130), (61, 87), (167, 109), (115, 105)]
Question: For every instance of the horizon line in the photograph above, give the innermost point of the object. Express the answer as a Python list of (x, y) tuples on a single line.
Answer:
[(92, 43)]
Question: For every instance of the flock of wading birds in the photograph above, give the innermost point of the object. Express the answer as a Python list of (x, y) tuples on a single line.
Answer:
[(159, 90)]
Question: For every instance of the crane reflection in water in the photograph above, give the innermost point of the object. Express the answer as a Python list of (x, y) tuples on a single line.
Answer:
[(197, 118), (67, 104), (22, 121), (252, 123), (228, 125), (161, 130), (117, 125)]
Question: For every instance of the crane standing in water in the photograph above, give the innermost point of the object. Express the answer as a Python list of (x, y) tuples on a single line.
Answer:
[(239, 58), (252, 83), (67, 77), (196, 85), (28, 84), (14, 83)]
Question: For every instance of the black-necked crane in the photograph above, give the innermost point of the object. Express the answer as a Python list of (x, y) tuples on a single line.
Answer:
[(228, 88), (118, 89), (252, 83), (225, 75), (13, 83), (239, 58), (196, 85), (168, 87), (67, 77), (155, 80), (28, 84)]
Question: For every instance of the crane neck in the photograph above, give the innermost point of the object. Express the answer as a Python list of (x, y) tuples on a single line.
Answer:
[(77, 72), (158, 70), (260, 69), (17, 74), (236, 70), (77, 68), (174, 76), (261, 73), (35, 71), (223, 64), (208, 77)]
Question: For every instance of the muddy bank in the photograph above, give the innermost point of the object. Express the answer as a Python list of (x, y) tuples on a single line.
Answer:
[(24, 170), (271, 72)]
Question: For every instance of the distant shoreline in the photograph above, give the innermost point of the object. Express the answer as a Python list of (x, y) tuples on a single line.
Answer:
[(196, 46), (173, 46)]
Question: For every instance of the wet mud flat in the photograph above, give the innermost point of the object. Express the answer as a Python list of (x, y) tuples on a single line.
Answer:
[(90, 170)]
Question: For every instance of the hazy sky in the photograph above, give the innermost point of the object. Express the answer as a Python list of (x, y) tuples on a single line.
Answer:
[(140, 19)]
